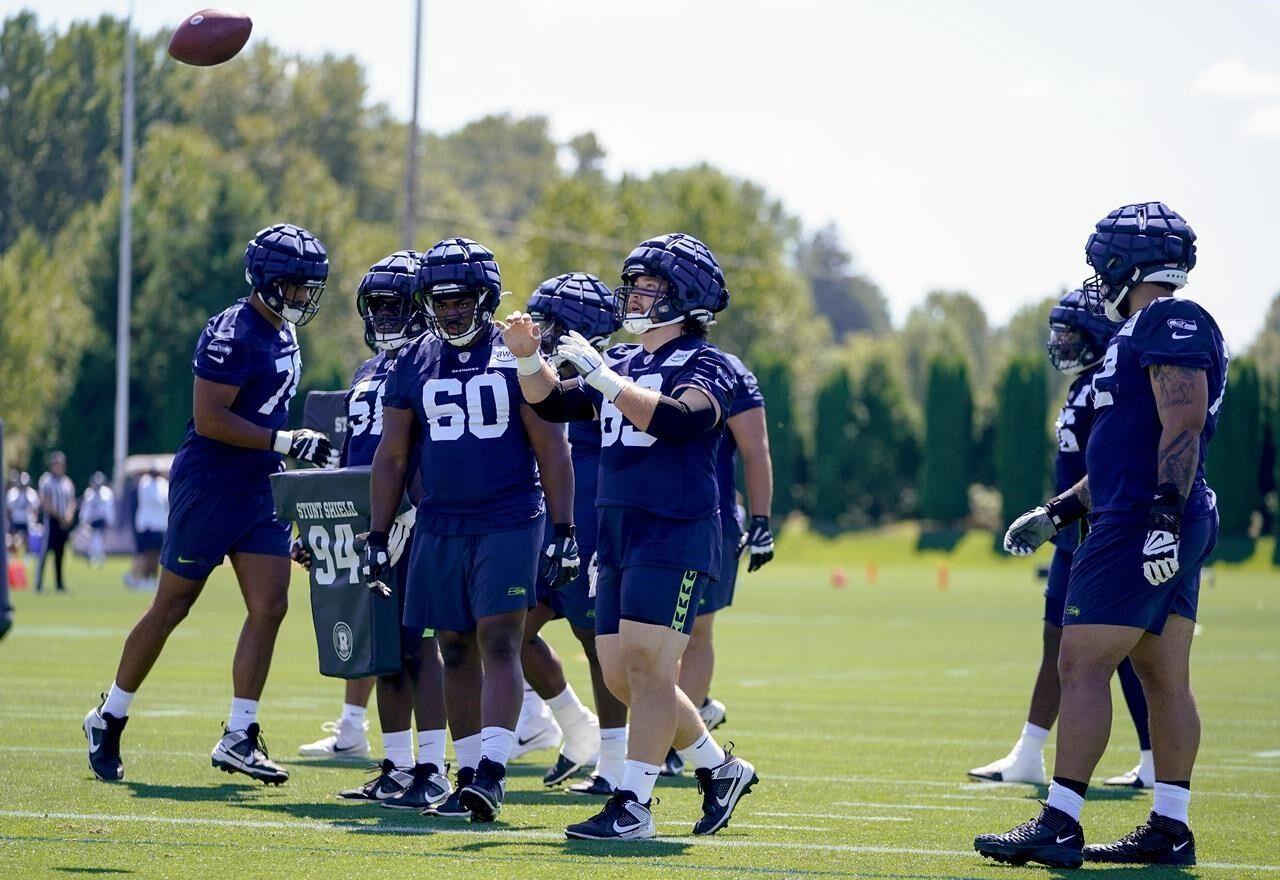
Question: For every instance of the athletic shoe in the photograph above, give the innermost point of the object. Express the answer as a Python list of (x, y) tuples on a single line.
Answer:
[(451, 807), (1133, 779), (1025, 765), (244, 751), (560, 771), (483, 797), (582, 740), (539, 732), (389, 782), (673, 765), (355, 745), (594, 785), (1162, 841), (429, 787), (103, 733), (713, 713), (623, 818), (1053, 838), (721, 789)]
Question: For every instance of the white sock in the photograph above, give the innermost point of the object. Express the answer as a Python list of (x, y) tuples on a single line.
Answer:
[(431, 747), (397, 746), (1172, 802), (496, 743), (243, 713), (639, 779), (568, 709), (703, 754), (353, 715), (1146, 765), (467, 751), (1033, 736), (613, 754), (1064, 799), (531, 704), (117, 702)]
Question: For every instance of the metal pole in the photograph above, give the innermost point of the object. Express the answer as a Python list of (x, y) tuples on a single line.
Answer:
[(124, 288), (411, 161)]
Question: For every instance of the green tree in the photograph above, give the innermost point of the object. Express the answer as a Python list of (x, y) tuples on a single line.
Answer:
[(1021, 437), (832, 442), (947, 322), (784, 438), (948, 431), (1265, 349), (884, 455), (1232, 464), (851, 302)]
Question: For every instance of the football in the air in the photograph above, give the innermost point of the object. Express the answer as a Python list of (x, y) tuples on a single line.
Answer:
[(210, 36)]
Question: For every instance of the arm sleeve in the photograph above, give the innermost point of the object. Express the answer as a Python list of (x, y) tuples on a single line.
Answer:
[(683, 418), (1179, 335), (223, 359), (567, 402), (708, 371)]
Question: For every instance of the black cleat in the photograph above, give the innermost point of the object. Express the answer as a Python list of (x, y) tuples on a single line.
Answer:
[(389, 782), (721, 788), (244, 751), (623, 818), (673, 765), (483, 797), (103, 733), (451, 807), (429, 787), (1053, 838), (1162, 841), (594, 785), (564, 769)]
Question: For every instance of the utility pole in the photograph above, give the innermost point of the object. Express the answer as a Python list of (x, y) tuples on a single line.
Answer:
[(411, 161), (124, 285)]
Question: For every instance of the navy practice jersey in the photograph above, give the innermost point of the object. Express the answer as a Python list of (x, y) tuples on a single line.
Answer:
[(1124, 444), (240, 347), (1075, 420), (477, 467), (671, 479), (584, 446), (746, 395), (364, 411)]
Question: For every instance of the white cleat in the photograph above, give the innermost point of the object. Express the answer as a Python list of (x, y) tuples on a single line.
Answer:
[(344, 743), (1017, 766), (1135, 778), (582, 740), (713, 713), (538, 732)]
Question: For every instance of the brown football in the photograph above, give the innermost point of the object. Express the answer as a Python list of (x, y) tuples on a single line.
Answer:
[(210, 36)]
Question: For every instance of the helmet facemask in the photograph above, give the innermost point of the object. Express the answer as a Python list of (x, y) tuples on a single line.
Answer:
[(289, 308), (661, 311), (1069, 349), (390, 319), (453, 313)]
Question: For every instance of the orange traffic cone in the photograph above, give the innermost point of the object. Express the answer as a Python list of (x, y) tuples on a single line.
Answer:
[(17, 575)]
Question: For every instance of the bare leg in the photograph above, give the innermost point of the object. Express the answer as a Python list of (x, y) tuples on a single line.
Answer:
[(463, 679), (1087, 659), (542, 667), (173, 599), (699, 661), (1163, 663), (499, 637), (264, 584), (1047, 692)]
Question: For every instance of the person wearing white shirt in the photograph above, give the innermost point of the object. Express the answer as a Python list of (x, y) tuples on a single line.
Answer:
[(149, 522), (98, 509)]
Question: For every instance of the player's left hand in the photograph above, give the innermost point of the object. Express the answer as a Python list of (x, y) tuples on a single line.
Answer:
[(521, 334), (375, 561), (1160, 556), (560, 562), (583, 357), (300, 554), (398, 537), (1029, 531), (759, 540)]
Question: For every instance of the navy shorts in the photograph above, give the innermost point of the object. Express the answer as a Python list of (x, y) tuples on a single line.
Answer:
[(1055, 592), (572, 601), (719, 593), (147, 541), (454, 580), (1107, 585), (207, 524)]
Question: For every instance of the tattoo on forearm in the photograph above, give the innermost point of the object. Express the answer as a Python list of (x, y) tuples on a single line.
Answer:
[(1082, 492), (1174, 386), (1177, 462)]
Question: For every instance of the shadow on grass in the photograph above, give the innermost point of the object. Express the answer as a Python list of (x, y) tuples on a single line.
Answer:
[(1096, 793), (1121, 872), (220, 793), (625, 849), (93, 870)]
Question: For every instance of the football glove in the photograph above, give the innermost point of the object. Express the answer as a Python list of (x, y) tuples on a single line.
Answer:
[(375, 562), (759, 540), (593, 574), (300, 554), (587, 360), (306, 445), (1160, 550), (560, 562), (398, 537), (1038, 525)]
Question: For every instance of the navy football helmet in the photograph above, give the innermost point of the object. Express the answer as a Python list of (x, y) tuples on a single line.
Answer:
[(574, 301), (454, 269), (695, 284), (385, 300), (287, 254), (1078, 336), (1148, 241)]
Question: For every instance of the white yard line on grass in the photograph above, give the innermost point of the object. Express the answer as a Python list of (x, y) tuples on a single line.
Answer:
[(518, 834)]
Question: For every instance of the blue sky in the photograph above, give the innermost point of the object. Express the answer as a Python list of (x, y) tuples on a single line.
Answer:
[(955, 145)]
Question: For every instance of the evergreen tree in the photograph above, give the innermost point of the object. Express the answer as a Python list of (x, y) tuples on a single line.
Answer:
[(884, 455), (948, 433), (1232, 464), (1021, 438), (832, 448), (784, 438)]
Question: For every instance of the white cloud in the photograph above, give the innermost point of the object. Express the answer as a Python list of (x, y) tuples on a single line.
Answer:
[(1232, 78), (1263, 122)]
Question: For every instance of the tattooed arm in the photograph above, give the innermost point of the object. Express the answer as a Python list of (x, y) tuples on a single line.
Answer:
[(1182, 401)]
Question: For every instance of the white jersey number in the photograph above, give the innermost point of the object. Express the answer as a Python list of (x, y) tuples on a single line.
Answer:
[(330, 555), (363, 416), (443, 401), (614, 427)]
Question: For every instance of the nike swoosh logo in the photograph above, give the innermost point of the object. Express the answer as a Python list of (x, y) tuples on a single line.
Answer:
[(1178, 847), (524, 741), (222, 359), (1064, 839), (1182, 335), (649, 773), (95, 739), (185, 561), (338, 750)]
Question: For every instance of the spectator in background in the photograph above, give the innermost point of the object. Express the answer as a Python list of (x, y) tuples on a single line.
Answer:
[(149, 522), (98, 509), (57, 513), (22, 505)]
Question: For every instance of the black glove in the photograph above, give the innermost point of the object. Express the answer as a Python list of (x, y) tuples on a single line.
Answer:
[(305, 445), (375, 562), (759, 540), (1160, 550), (560, 562)]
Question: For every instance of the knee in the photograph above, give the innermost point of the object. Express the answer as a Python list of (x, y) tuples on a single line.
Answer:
[(454, 654), (171, 613), (500, 643), (645, 673), (1077, 669), (270, 609), (1160, 682)]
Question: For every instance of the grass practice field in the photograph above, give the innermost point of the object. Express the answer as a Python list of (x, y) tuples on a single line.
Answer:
[(861, 706)]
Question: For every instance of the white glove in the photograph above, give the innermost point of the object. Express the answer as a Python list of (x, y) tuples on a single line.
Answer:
[(306, 445), (593, 574), (1160, 556), (1029, 531), (583, 356), (398, 536)]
